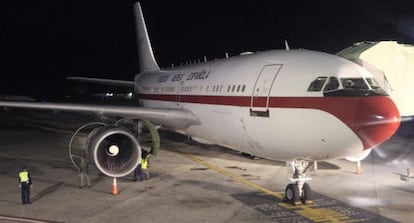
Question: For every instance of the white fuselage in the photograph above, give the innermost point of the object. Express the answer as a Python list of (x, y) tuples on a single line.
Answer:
[(260, 103)]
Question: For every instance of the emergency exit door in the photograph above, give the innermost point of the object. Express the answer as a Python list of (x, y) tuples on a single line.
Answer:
[(261, 90)]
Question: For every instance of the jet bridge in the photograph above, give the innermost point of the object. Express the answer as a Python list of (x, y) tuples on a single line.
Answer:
[(392, 64)]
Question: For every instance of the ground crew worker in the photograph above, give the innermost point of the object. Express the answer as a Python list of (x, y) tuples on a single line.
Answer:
[(25, 182), (144, 164), (83, 169), (138, 171)]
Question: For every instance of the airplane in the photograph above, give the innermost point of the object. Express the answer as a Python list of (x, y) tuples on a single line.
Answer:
[(291, 105)]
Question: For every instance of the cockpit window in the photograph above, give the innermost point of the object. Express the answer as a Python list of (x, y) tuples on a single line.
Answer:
[(353, 87), (359, 83), (332, 84), (317, 84), (354, 83), (373, 83)]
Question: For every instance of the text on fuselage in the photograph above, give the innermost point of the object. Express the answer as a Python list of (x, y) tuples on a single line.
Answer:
[(197, 75)]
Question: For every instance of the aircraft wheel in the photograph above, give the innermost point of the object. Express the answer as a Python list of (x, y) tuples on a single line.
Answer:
[(292, 193), (307, 193)]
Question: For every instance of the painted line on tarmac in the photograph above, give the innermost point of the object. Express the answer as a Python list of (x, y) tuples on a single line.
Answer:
[(28, 220), (312, 213), (233, 176)]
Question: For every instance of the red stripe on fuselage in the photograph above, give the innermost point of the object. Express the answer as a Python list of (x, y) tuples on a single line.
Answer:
[(334, 105), (373, 118), (241, 101)]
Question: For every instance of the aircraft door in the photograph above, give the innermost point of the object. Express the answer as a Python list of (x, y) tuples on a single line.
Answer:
[(261, 90), (180, 90)]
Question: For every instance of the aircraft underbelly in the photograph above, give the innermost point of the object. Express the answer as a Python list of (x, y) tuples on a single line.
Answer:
[(303, 133), (288, 133)]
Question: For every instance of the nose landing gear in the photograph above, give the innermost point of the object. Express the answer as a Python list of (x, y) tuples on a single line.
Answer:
[(298, 192)]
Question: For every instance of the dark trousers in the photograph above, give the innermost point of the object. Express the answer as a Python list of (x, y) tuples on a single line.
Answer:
[(138, 173), (25, 187)]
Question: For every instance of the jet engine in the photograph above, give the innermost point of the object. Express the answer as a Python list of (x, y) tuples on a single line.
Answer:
[(114, 150)]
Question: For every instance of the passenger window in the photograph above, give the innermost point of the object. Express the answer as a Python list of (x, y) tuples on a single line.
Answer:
[(332, 84), (243, 88), (228, 88), (238, 88), (317, 84)]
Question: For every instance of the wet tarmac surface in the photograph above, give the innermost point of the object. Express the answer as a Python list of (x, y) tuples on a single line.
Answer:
[(191, 182)]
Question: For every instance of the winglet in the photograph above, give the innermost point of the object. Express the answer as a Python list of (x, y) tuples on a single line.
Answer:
[(287, 45), (146, 57)]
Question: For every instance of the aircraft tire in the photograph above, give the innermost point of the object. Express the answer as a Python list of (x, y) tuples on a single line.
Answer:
[(292, 194), (307, 193)]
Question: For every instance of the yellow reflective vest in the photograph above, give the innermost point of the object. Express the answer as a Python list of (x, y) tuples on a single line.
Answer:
[(144, 163), (24, 177)]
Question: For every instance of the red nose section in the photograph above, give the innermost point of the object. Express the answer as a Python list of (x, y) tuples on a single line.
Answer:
[(375, 120)]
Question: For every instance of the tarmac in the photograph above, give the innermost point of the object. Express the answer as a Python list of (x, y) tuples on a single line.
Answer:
[(191, 182)]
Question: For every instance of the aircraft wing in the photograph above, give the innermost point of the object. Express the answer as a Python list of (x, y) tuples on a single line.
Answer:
[(174, 118), (103, 81)]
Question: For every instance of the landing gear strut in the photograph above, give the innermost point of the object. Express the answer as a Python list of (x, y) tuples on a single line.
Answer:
[(298, 191)]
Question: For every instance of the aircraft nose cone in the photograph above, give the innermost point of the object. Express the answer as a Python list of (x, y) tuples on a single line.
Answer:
[(376, 119)]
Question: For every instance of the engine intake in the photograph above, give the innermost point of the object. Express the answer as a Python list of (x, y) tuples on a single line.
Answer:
[(114, 150)]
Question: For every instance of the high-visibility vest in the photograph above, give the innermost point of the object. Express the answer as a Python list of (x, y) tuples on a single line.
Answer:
[(144, 163), (24, 177)]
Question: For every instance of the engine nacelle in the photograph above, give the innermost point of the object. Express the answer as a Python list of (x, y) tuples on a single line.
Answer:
[(114, 150)]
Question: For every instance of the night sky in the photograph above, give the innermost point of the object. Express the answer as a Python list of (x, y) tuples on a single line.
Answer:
[(43, 41)]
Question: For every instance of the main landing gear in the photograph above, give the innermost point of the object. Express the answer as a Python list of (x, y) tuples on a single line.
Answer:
[(298, 192)]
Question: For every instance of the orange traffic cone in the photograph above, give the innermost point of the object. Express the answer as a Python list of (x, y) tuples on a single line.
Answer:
[(114, 187)]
